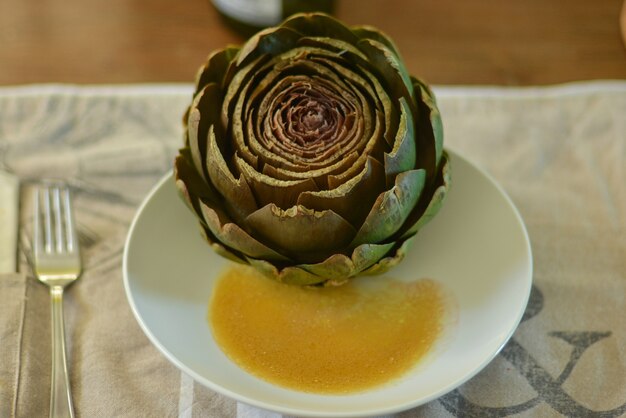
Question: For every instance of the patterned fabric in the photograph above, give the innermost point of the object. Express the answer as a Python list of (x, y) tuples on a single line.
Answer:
[(559, 152)]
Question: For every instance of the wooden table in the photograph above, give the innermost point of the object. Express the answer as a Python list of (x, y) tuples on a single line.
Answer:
[(524, 42)]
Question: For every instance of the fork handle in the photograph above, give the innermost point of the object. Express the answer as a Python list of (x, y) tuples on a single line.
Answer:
[(60, 395)]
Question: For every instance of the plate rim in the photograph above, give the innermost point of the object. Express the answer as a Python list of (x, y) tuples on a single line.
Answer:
[(339, 414)]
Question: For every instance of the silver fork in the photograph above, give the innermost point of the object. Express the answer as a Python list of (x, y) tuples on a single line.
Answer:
[(57, 264)]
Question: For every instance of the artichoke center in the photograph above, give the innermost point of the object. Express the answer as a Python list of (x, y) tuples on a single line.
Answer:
[(309, 119), (313, 120), (308, 115)]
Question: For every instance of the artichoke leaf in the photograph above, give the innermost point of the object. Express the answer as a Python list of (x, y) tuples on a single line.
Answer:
[(373, 148), (353, 199), (320, 176), (219, 248), (231, 235), (403, 155), (334, 270), (337, 267), (203, 114), (214, 70), (224, 234), (436, 200), (370, 32), (336, 46), (389, 66), (238, 136), (240, 78), (392, 208), (366, 255), (266, 189), (289, 275), (191, 186), (429, 105), (319, 24), (284, 229), (387, 263), (299, 168), (269, 41), (238, 197)]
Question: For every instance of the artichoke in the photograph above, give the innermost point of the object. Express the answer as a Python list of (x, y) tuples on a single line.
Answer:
[(310, 153)]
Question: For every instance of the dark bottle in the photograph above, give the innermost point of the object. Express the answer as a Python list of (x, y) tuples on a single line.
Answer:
[(249, 16)]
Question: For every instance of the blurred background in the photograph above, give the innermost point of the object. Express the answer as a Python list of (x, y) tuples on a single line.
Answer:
[(493, 42)]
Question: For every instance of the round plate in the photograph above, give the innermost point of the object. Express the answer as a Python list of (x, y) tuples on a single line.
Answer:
[(477, 248)]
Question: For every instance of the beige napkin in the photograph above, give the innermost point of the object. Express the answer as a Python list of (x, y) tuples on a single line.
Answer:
[(559, 152), (13, 294)]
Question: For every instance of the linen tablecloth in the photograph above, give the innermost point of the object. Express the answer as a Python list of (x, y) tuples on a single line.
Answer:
[(559, 152)]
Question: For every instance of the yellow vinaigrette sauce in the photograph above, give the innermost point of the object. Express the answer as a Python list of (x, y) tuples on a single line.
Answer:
[(331, 340)]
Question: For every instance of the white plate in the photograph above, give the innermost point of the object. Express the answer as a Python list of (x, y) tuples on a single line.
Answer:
[(476, 247)]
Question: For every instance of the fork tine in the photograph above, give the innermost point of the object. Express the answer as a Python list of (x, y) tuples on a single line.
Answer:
[(37, 238), (53, 221), (47, 220), (69, 221), (59, 238)]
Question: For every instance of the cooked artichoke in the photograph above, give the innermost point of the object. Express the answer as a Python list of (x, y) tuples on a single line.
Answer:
[(310, 153)]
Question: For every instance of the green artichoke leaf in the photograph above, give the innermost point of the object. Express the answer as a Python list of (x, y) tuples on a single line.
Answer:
[(432, 99), (270, 190), (215, 68), (353, 199), (370, 32), (270, 41), (334, 270), (392, 208), (437, 199), (284, 230), (223, 232), (403, 155), (237, 195), (389, 66), (220, 248), (429, 107), (320, 176), (374, 148), (366, 255), (238, 135), (203, 114), (239, 79), (387, 263), (339, 267), (231, 235), (336, 46), (193, 187), (293, 275), (320, 25)]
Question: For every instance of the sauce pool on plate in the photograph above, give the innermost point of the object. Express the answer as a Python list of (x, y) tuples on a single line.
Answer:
[(327, 340)]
